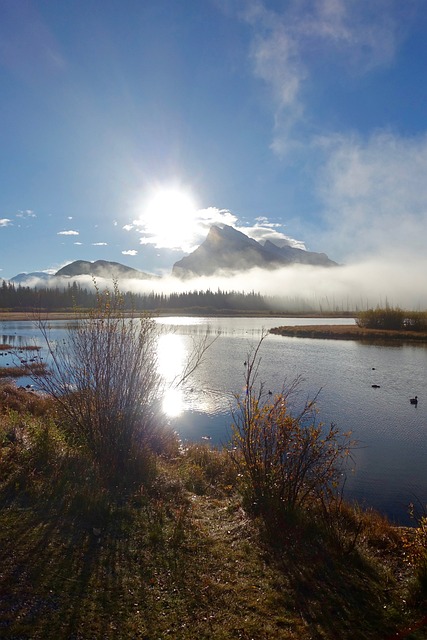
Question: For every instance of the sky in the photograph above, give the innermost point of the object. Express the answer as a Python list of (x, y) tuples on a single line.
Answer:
[(129, 127)]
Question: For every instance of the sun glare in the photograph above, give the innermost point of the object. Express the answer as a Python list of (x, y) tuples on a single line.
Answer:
[(169, 216), (171, 356)]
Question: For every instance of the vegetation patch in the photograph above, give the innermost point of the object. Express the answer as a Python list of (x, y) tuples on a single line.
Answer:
[(350, 332)]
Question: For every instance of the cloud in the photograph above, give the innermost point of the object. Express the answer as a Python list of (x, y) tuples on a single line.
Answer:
[(187, 237), (5, 222), (130, 252), (99, 244), (264, 230), (350, 36), (28, 213), (68, 233), (78, 243), (374, 194), (128, 227)]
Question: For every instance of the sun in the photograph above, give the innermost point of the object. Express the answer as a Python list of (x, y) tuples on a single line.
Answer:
[(169, 217)]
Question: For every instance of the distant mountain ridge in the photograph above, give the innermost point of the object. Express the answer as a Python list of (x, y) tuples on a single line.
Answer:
[(225, 250), (228, 250), (102, 269), (97, 269)]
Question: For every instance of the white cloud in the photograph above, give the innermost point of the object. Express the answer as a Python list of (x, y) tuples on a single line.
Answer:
[(128, 227), (27, 213), (374, 195), (68, 233), (78, 243), (264, 230), (354, 35), (99, 244), (191, 235), (201, 222), (5, 222), (130, 252)]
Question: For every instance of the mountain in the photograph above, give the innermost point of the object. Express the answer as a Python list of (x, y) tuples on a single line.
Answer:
[(293, 255), (27, 279), (98, 269), (226, 249), (102, 269)]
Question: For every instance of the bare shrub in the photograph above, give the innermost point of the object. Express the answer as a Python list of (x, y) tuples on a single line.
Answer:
[(288, 462), (104, 377), (106, 381)]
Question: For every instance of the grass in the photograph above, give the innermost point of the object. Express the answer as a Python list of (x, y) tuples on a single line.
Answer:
[(349, 332), (180, 559)]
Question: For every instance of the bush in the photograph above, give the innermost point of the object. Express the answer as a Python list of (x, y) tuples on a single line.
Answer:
[(207, 469), (388, 318), (287, 462), (416, 548), (104, 377), (391, 318)]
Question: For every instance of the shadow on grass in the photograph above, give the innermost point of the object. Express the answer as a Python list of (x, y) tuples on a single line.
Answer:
[(76, 564), (338, 595)]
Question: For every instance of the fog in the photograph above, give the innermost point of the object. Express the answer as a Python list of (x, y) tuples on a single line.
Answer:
[(349, 287)]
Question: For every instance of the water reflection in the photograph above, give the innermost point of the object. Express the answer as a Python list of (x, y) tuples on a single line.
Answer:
[(171, 355)]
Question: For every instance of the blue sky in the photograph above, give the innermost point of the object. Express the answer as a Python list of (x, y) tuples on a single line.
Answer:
[(128, 127)]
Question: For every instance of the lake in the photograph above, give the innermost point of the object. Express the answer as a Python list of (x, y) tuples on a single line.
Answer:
[(391, 455)]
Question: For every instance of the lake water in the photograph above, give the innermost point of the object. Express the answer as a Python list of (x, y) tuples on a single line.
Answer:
[(391, 456)]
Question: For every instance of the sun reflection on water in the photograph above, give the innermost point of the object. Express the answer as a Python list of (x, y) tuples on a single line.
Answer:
[(171, 354)]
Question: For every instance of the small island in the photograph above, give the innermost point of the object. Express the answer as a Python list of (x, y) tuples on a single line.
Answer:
[(350, 332), (373, 325)]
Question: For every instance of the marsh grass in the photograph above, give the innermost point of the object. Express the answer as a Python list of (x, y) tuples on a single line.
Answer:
[(352, 332)]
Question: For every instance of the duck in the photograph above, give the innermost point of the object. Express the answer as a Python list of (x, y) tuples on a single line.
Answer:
[(414, 400)]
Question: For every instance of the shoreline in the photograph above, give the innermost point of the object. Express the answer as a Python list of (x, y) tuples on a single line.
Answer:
[(73, 315), (349, 332)]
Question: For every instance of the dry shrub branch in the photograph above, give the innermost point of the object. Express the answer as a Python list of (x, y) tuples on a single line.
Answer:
[(288, 461)]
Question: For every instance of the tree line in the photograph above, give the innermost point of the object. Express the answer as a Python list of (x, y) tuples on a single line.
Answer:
[(24, 298)]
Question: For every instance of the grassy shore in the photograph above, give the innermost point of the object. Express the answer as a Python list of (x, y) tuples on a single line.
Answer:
[(350, 332), (182, 559)]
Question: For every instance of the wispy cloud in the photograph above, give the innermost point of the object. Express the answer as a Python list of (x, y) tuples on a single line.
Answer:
[(264, 230), (353, 37), (374, 194), (69, 232), (28, 213), (130, 252), (100, 244), (5, 222)]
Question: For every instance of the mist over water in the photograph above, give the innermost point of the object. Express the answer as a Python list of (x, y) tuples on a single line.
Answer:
[(365, 284)]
